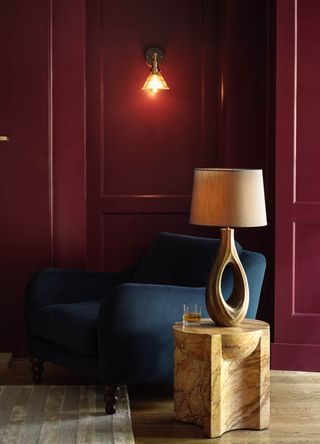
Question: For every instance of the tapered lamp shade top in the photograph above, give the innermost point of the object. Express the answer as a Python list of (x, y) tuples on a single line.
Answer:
[(228, 198)]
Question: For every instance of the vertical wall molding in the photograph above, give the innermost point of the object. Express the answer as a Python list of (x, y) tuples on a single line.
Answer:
[(68, 134), (50, 130)]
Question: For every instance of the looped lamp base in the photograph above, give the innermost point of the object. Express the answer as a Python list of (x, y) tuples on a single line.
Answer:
[(232, 312)]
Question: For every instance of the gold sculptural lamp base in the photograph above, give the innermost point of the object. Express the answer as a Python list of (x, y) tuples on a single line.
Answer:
[(232, 312)]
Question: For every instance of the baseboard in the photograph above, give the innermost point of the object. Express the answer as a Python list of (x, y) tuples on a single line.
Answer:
[(299, 357), (5, 360)]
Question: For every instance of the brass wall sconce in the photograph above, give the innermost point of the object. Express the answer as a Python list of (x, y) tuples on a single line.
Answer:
[(155, 80)]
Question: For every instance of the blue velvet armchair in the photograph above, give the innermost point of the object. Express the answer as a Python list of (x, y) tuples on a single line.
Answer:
[(117, 327)]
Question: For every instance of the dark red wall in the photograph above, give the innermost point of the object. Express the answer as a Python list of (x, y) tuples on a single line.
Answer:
[(91, 189)]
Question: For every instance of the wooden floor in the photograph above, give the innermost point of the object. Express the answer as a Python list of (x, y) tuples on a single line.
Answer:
[(295, 409)]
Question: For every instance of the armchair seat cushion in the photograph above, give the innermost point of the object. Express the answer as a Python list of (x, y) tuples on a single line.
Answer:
[(73, 326)]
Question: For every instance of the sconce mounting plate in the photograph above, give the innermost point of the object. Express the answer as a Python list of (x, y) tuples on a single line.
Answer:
[(148, 55)]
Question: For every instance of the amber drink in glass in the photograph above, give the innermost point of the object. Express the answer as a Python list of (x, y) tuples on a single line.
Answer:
[(191, 315)]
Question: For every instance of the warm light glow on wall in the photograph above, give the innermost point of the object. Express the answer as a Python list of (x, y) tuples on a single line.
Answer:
[(155, 80)]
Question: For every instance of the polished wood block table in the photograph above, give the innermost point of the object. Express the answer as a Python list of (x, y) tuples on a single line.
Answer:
[(222, 376)]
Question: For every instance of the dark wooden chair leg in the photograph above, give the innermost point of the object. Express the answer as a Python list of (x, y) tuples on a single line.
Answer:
[(37, 369), (110, 398)]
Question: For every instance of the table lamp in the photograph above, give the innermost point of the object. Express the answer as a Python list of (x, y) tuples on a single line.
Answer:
[(228, 198)]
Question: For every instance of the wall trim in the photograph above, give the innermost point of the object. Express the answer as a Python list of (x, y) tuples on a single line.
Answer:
[(298, 357)]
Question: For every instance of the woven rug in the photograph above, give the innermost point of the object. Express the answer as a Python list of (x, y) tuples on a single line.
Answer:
[(62, 414)]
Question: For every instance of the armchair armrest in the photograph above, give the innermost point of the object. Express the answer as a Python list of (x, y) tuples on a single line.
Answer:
[(65, 286), (135, 325), (254, 265)]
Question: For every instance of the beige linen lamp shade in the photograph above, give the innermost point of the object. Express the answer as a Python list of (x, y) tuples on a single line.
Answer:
[(228, 198)]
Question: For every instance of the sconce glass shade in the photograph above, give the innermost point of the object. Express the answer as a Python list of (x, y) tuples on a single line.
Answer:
[(154, 82)]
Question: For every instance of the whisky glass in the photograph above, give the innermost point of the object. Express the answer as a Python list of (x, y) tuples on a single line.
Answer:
[(191, 315)]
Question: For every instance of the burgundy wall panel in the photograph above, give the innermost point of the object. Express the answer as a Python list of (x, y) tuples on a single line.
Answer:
[(25, 221), (297, 319), (142, 149), (306, 268), (308, 99), (147, 138)]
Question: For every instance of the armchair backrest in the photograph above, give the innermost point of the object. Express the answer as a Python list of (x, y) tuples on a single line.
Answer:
[(175, 259)]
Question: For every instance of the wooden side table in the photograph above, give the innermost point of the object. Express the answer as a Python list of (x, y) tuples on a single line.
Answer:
[(222, 376)]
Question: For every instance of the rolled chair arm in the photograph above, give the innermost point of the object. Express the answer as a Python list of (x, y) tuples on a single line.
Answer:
[(255, 266), (135, 331), (65, 286)]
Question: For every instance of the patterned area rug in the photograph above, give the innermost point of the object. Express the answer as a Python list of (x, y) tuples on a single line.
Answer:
[(62, 414)]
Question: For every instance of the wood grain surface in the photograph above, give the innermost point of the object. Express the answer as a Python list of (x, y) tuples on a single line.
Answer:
[(295, 409), (63, 414), (295, 416), (222, 376)]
